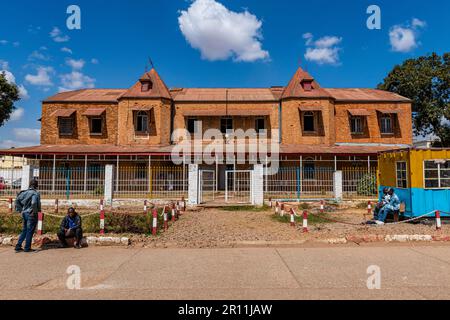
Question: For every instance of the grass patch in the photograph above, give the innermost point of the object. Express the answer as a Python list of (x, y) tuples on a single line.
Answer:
[(312, 219), (245, 208), (304, 206), (114, 223), (362, 205)]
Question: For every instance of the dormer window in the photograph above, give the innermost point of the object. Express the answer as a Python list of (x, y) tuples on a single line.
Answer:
[(307, 85), (146, 86)]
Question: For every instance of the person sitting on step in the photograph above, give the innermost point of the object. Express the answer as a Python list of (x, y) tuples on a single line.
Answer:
[(71, 228)]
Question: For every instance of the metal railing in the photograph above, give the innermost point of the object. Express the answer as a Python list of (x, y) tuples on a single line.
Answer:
[(300, 183), (158, 182), (72, 182), (359, 183)]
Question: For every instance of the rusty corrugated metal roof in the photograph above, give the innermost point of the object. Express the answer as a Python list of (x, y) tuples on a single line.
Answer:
[(158, 89), (136, 150), (224, 94), (360, 94), (87, 95)]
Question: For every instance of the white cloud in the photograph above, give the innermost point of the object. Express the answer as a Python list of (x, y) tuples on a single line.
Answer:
[(4, 42), (405, 38), (324, 50), (23, 92), (221, 34), (57, 35), (67, 50), (75, 64), (75, 80), (9, 76), (38, 55), (16, 44), (27, 135), (42, 78), (94, 61), (17, 114)]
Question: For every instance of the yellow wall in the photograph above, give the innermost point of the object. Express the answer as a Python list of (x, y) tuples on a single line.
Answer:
[(414, 159)]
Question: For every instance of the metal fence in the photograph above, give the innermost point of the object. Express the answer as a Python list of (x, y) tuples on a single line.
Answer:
[(72, 182), (151, 182), (238, 188), (359, 183), (10, 181), (300, 183)]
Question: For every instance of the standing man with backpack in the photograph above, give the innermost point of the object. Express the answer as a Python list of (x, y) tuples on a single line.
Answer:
[(28, 203)]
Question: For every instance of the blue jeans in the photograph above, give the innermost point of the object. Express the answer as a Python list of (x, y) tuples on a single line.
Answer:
[(29, 224), (382, 215)]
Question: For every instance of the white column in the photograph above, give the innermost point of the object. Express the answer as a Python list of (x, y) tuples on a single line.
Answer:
[(258, 185), (338, 185), (109, 183), (193, 184), (27, 175)]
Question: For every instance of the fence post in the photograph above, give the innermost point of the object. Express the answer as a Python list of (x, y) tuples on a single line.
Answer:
[(109, 183), (102, 221), (27, 176), (337, 185), (193, 189), (258, 185)]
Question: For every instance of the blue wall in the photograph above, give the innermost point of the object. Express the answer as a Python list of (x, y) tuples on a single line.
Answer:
[(420, 201)]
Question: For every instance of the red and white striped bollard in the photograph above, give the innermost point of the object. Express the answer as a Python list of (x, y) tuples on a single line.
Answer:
[(322, 207), (102, 207), (56, 205), (102, 221), (369, 208), (438, 220), (292, 218), (40, 224), (155, 222), (10, 204), (145, 207), (282, 210), (166, 223), (305, 221)]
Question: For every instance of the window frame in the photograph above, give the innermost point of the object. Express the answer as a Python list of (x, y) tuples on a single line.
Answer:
[(146, 86), (383, 117), (136, 122), (72, 126), (406, 180), (258, 130), (196, 127), (439, 178), (227, 130), (314, 122), (361, 124), (91, 119)]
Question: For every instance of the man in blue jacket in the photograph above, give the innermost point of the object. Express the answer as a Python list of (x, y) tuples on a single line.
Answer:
[(28, 203), (391, 207), (71, 228)]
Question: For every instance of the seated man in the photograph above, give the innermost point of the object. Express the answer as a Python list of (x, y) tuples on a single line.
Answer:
[(391, 207), (71, 228), (384, 201)]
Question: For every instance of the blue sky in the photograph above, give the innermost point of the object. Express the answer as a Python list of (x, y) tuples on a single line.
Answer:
[(205, 43)]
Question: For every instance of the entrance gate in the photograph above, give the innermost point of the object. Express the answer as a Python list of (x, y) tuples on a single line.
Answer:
[(206, 186), (239, 186)]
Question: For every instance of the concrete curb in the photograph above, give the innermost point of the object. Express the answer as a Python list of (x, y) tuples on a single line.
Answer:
[(94, 241)]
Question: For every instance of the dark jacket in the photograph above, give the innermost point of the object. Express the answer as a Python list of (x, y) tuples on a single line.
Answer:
[(66, 225), (29, 201)]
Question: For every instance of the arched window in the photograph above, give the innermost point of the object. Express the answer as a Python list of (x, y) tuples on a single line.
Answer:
[(142, 121), (309, 121)]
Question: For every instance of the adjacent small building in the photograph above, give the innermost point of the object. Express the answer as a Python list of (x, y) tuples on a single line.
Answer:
[(420, 177)]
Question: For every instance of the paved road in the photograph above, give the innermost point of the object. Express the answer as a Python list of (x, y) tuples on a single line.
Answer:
[(407, 272)]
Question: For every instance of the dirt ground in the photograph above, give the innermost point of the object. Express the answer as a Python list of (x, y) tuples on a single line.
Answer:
[(216, 227)]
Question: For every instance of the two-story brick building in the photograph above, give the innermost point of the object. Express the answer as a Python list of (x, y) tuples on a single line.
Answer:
[(317, 130)]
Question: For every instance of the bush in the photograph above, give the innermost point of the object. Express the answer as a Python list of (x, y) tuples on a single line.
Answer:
[(367, 186)]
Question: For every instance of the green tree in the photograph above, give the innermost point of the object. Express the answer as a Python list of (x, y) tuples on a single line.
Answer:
[(425, 80), (9, 94)]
